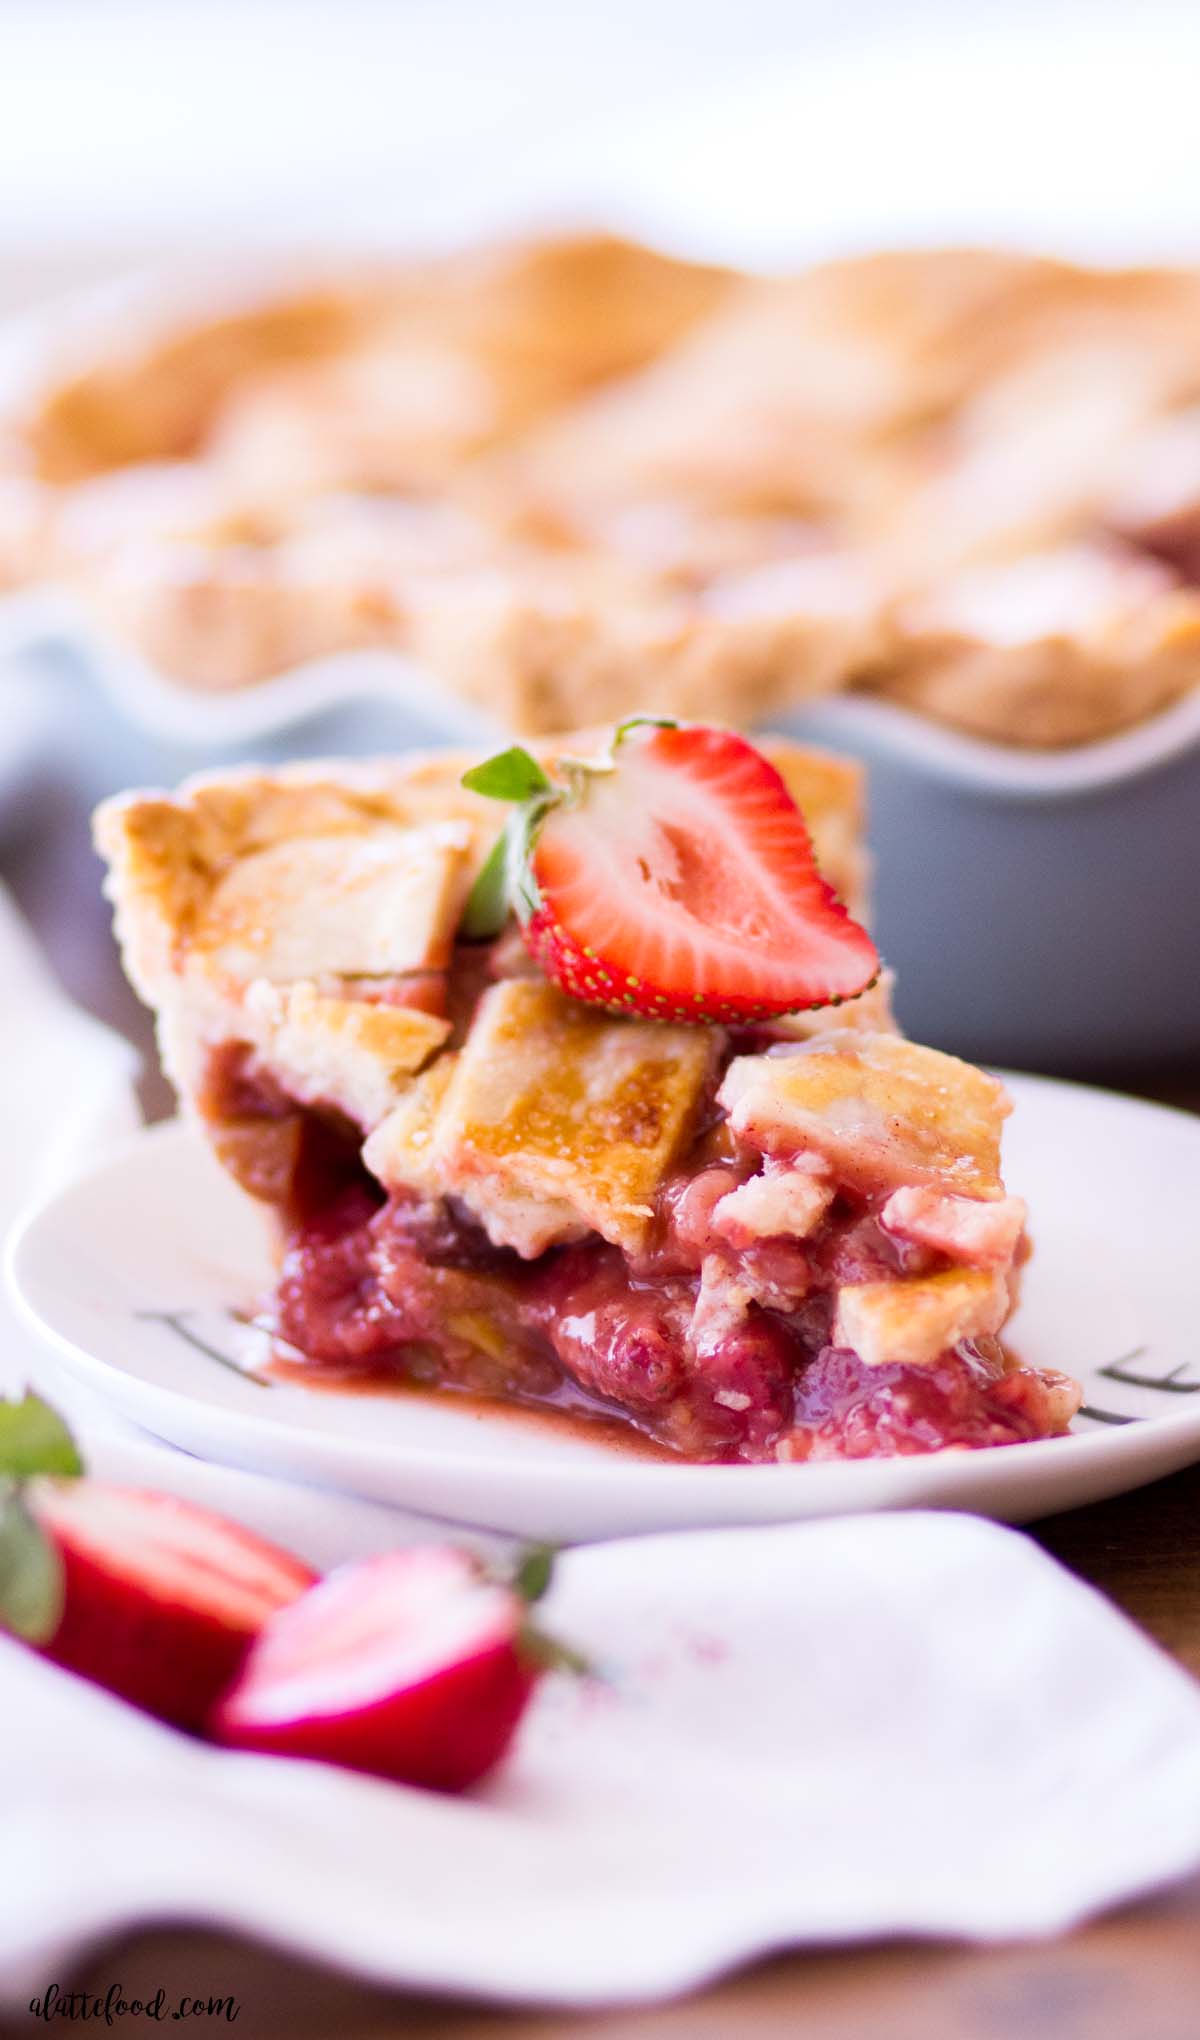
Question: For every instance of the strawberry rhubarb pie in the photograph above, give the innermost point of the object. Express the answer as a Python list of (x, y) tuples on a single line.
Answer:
[(571, 1082)]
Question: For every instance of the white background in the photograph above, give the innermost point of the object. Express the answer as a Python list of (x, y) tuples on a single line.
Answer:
[(764, 128)]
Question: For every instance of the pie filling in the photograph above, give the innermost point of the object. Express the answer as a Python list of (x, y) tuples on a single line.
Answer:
[(717, 1351)]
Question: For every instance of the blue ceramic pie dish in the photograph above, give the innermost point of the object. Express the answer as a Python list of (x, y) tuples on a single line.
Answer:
[(1040, 908)]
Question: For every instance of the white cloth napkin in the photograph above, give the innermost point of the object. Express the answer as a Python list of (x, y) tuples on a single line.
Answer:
[(65, 1081), (66, 1094), (834, 1731), (824, 1732)]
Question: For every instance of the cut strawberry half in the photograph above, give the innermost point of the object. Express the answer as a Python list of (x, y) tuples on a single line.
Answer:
[(676, 880), (414, 1666), (161, 1599)]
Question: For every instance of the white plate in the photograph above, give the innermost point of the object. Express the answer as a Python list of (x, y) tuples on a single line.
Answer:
[(135, 1270)]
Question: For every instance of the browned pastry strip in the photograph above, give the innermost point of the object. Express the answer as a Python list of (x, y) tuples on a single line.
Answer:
[(469, 346), (153, 399)]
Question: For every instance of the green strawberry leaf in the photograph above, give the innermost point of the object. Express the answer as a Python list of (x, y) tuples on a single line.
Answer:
[(34, 1439), (534, 1571), (487, 905), (31, 1574), (510, 775)]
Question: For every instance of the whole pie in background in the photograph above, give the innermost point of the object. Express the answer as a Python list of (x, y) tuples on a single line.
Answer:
[(575, 477)]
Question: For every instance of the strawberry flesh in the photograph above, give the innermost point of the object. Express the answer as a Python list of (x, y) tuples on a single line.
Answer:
[(681, 885), (162, 1599), (409, 1666)]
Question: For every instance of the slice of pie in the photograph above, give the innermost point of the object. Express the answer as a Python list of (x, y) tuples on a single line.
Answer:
[(785, 1237)]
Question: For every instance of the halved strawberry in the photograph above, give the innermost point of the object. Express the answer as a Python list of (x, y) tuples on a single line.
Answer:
[(415, 1665), (675, 879), (161, 1599)]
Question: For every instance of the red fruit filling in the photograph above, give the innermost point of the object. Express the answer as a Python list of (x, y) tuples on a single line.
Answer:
[(390, 1288), (412, 1292), (409, 1291)]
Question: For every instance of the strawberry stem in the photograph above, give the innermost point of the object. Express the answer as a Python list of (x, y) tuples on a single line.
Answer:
[(642, 722), (531, 1577), (547, 1654)]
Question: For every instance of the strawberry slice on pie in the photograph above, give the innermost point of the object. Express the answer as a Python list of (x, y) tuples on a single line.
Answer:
[(674, 877), (544, 1109)]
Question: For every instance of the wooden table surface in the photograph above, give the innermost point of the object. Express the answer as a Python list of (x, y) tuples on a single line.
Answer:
[(1132, 1976)]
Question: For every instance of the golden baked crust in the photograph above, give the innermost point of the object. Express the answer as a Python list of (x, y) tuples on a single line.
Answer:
[(1046, 649), (881, 1111), (576, 477), (776, 405), (543, 635), (559, 1120), (167, 852), (481, 347), (152, 397), (908, 1323), (532, 322)]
